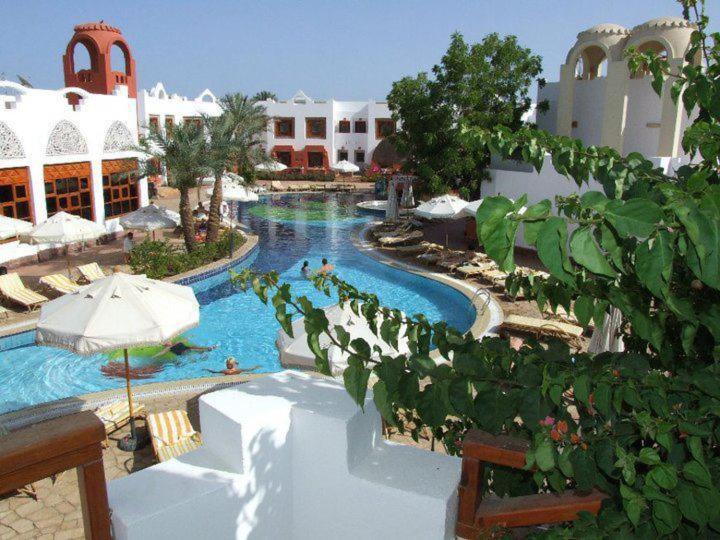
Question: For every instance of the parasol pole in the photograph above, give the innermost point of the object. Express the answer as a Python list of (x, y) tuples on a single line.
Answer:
[(129, 394)]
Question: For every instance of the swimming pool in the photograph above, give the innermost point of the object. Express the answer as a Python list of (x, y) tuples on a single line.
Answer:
[(291, 229)]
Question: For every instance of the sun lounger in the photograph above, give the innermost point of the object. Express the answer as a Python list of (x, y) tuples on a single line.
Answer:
[(428, 258), (172, 434), (398, 240), (117, 414), (91, 272), (12, 288), (470, 270), (59, 283), (276, 186), (542, 327)]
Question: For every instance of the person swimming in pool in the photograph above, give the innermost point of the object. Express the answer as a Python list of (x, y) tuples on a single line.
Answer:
[(179, 348), (305, 270), (326, 267), (231, 368)]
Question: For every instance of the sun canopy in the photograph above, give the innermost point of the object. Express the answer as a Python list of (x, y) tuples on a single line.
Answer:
[(346, 167), (150, 218), (235, 192), (10, 227), (443, 207), (119, 311), (294, 351), (227, 178), (64, 228), (272, 166), (471, 209)]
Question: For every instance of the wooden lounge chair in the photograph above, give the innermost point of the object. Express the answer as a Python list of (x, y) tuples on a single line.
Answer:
[(171, 434), (475, 269), (59, 283), (398, 240), (428, 258), (543, 327), (91, 272), (477, 517), (117, 414), (12, 288)]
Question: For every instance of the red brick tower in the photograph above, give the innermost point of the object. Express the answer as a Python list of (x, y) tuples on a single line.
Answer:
[(99, 39)]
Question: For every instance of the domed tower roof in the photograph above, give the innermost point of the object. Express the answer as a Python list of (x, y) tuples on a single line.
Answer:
[(100, 39), (604, 29), (673, 33)]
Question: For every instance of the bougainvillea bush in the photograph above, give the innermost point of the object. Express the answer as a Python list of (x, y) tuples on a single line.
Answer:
[(640, 425)]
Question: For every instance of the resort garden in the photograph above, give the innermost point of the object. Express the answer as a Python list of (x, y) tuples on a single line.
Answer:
[(639, 425)]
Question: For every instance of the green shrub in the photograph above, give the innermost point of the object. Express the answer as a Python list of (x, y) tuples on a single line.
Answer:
[(161, 259)]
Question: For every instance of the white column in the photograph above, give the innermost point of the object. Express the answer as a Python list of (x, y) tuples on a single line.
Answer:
[(615, 107), (97, 190), (671, 116), (143, 191), (566, 99), (37, 191)]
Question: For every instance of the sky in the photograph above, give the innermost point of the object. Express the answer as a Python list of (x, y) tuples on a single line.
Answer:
[(338, 49)]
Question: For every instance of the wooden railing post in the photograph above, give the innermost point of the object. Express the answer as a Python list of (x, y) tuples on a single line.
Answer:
[(47, 448)]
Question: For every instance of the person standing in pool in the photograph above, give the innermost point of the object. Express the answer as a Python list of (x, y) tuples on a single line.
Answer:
[(326, 267), (305, 270), (179, 348)]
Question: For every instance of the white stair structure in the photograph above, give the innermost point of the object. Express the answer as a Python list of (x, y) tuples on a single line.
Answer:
[(290, 456)]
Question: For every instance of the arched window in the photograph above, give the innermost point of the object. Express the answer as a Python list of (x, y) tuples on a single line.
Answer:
[(83, 57), (653, 47), (119, 58), (591, 64)]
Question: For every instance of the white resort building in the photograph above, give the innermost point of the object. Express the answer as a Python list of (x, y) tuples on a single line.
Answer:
[(310, 133)]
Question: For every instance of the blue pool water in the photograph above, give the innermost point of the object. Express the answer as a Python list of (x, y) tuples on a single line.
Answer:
[(291, 229)]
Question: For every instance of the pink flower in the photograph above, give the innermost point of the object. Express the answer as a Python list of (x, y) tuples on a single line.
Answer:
[(548, 421)]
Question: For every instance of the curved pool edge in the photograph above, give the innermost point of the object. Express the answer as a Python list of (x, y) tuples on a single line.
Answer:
[(488, 312), (187, 278)]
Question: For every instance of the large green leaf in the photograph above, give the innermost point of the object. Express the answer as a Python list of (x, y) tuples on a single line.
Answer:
[(496, 231), (552, 248), (586, 253), (653, 263), (383, 402), (545, 455), (634, 217), (356, 377)]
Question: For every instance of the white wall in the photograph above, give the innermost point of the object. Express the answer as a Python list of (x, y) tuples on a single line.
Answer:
[(33, 113), (644, 107), (588, 110)]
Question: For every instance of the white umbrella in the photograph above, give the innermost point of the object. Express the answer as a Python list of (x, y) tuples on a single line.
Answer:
[(118, 312), (150, 218), (64, 228), (471, 209), (10, 227), (272, 166), (227, 178), (345, 166), (294, 351), (443, 207), (235, 192)]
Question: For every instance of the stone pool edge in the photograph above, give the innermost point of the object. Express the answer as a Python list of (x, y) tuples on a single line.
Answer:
[(488, 312)]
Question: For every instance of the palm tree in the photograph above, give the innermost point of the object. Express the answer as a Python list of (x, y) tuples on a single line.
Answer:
[(234, 140), (182, 149), (264, 95)]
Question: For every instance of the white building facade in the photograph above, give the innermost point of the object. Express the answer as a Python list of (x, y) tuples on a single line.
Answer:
[(68, 150), (157, 107), (309, 134)]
